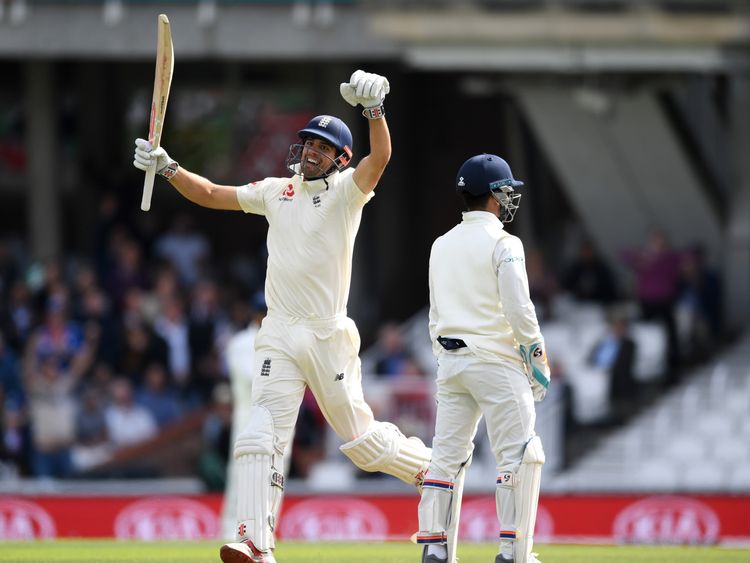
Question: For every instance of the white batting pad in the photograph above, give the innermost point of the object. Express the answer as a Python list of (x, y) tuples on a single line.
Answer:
[(259, 484), (526, 493), (434, 509), (384, 448), (506, 508)]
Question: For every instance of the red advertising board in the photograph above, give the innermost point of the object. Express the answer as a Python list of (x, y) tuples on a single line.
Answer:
[(585, 518)]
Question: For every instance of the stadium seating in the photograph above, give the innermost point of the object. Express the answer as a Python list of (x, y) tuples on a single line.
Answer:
[(694, 439)]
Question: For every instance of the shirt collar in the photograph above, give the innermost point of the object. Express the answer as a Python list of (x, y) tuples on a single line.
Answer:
[(321, 184), (481, 217)]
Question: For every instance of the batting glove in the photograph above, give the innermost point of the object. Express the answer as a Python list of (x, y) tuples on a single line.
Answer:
[(368, 90), (537, 368), (146, 156)]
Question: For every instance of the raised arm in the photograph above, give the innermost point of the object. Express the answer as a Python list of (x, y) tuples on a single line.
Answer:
[(192, 186), (369, 91)]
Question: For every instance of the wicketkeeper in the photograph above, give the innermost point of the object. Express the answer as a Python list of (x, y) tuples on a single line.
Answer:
[(306, 340), (492, 363)]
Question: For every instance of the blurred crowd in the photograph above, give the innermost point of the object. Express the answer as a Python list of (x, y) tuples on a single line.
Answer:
[(98, 354), (102, 353)]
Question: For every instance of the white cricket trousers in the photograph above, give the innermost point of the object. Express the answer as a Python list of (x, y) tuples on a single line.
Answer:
[(468, 388), (291, 354)]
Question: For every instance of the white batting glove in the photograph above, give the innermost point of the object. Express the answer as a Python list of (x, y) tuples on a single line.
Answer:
[(368, 90), (146, 156)]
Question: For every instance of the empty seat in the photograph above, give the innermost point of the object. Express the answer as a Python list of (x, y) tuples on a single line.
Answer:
[(651, 350)]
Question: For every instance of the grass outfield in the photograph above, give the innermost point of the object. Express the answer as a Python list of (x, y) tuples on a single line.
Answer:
[(69, 551)]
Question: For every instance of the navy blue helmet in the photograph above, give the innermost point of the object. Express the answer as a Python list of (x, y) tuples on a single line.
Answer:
[(330, 129), (489, 174)]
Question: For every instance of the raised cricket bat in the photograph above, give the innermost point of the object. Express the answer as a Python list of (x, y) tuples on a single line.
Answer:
[(162, 82)]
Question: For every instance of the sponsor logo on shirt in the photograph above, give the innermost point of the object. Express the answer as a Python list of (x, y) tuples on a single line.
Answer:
[(316, 200), (287, 193), (265, 370)]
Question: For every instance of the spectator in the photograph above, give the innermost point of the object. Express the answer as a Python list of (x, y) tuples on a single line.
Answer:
[(158, 397), (128, 423), (10, 373), (207, 325), (58, 337), (50, 379), (166, 286), (217, 430), (140, 347), (106, 225), (309, 438), (17, 318), (92, 445), (394, 359), (172, 326), (699, 307), (52, 409), (95, 312), (127, 270), (185, 248), (615, 355), (588, 278), (657, 272), (542, 284), (134, 307), (15, 442), (9, 270)]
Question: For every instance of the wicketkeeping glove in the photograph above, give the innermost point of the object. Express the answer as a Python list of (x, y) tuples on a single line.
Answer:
[(368, 90), (537, 368), (145, 157)]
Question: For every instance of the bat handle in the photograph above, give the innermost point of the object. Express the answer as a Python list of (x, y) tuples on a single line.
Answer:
[(148, 188)]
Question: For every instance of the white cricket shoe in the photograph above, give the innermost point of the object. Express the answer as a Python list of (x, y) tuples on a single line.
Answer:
[(244, 552), (501, 559)]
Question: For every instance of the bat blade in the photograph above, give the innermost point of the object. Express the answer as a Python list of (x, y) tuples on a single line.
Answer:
[(162, 84)]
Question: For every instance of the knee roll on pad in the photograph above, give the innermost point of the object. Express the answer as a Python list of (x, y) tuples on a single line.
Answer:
[(258, 436), (384, 448)]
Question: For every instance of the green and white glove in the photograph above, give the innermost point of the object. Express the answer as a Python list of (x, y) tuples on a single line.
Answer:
[(537, 369), (368, 90), (146, 156)]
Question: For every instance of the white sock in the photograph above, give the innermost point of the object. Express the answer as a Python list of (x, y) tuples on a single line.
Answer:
[(506, 549), (438, 549)]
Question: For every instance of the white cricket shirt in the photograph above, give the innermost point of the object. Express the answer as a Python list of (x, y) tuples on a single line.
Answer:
[(479, 291), (311, 230)]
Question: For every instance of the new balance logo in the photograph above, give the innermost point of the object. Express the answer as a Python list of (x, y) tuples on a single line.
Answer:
[(339, 377), (324, 122), (265, 370)]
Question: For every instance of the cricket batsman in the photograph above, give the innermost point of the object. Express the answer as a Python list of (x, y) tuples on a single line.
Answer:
[(306, 339), (491, 363)]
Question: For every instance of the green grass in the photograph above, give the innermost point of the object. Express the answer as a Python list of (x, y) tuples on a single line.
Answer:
[(290, 552)]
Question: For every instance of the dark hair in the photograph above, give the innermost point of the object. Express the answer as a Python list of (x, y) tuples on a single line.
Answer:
[(475, 202)]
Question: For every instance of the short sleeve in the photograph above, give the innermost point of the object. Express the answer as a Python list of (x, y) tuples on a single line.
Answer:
[(348, 189), (252, 197)]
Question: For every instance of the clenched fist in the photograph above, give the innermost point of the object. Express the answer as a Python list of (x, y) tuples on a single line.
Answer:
[(365, 88)]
